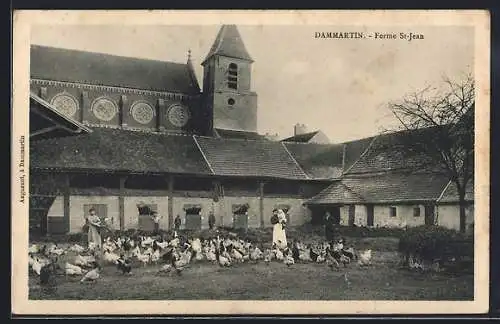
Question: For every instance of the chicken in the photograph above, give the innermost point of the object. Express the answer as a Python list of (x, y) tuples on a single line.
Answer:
[(47, 274), (77, 248), (365, 258), (183, 260), (55, 250), (84, 261), (223, 260), (268, 256), (320, 259), (72, 270), (279, 255), (155, 256), (34, 249), (313, 255), (162, 245), (145, 258), (110, 257), (146, 242), (166, 268), (288, 260), (36, 266), (237, 255), (256, 254), (123, 265), (92, 275)]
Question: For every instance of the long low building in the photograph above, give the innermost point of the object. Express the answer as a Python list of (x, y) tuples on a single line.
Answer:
[(128, 136)]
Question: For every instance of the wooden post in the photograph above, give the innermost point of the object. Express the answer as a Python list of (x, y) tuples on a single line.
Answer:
[(170, 202), (66, 203), (261, 203), (121, 203)]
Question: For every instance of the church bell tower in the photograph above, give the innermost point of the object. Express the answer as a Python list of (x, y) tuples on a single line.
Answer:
[(228, 99)]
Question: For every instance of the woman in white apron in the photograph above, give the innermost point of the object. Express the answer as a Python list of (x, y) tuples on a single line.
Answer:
[(279, 235), (94, 222)]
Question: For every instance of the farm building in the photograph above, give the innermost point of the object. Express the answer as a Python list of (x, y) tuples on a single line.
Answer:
[(128, 136)]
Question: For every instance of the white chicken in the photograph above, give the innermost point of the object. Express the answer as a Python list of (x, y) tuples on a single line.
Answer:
[(321, 258), (145, 258), (84, 261), (162, 245), (279, 255), (55, 250), (237, 256), (155, 256), (288, 260), (365, 258), (92, 275), (256, 254), (72, 270), (77, 248), (146, 241), (36, 266), (34, 249), (110, 257)]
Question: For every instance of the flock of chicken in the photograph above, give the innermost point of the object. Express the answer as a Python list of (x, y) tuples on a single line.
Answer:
[(176, 254)]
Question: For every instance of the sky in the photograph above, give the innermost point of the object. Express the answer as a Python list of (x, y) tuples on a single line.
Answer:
[(339, 86)]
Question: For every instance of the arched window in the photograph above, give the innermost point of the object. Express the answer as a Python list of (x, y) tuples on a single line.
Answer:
[(232, 76)]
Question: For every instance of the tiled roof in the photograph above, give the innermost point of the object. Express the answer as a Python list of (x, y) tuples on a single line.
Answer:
[(67, 65), (301, 138), (120, 150), (319, 161), (229, 133), (230, 157), (229, 43), (389, 187), (450, 194), (384, 153)]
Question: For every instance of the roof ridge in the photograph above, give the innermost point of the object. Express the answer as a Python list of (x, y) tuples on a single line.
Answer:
[(362, 154), (105, 54), (203, 154), (293, 159)]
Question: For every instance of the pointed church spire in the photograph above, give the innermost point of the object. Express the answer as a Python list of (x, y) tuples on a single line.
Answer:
[(229, 43)]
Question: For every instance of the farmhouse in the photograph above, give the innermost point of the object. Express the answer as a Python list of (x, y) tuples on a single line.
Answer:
[(128, 136)]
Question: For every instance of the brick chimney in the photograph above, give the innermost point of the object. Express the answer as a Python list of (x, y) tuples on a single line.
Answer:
[(299, 129)]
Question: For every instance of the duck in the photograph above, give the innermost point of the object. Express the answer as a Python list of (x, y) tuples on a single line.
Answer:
[(72, 270)]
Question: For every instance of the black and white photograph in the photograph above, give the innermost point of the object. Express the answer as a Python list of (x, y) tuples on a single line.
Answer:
[(225, 162)]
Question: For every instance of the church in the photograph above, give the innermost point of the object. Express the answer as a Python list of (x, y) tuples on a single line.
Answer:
[(129, 136)]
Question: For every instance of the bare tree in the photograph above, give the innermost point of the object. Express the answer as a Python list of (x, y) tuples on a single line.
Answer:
[(440, 125)]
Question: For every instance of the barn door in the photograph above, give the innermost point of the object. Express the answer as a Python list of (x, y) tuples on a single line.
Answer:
[(240, 216), (429, 215), (352, 209), (145, 220), (193, 217), (369, 215)]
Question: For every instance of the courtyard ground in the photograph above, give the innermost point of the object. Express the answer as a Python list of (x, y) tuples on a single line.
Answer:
[(384, 280)]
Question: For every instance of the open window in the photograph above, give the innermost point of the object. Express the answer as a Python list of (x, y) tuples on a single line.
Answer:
[(232, 76), (392, 211)]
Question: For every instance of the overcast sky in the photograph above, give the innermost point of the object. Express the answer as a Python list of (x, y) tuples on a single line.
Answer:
[(341, 86)]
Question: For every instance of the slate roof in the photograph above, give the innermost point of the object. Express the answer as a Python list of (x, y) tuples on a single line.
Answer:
[(119, 150), (69, 65), (388, 187), (230, 157), (319, 161), (229, 133), (301, 138), (450, 194), (229, 43)]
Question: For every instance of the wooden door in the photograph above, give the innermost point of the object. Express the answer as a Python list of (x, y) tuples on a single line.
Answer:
[(193, 221), (240, 220), (369, 215), (429, 215), (352, 210), (145, 220)]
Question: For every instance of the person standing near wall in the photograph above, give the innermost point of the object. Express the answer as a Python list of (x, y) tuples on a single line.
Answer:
[(211, 220), (156, 220), (94, 222), (177, 222), (329, 227)]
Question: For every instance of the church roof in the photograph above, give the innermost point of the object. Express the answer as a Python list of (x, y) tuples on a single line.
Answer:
[(258, 158), (387, 187), (229, 43), (68, 65)]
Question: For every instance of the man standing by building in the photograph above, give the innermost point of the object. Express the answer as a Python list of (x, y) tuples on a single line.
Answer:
[(211, 220), (329, 227), (177, 223), (156, 220)]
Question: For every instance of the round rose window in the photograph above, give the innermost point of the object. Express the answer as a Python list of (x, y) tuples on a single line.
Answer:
[(65, 103), (104, 109), (178, 115), (142, 112)]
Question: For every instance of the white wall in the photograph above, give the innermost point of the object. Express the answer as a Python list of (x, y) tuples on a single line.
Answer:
[(449, 216), (57, 208), (404, 216), (77, 213)]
